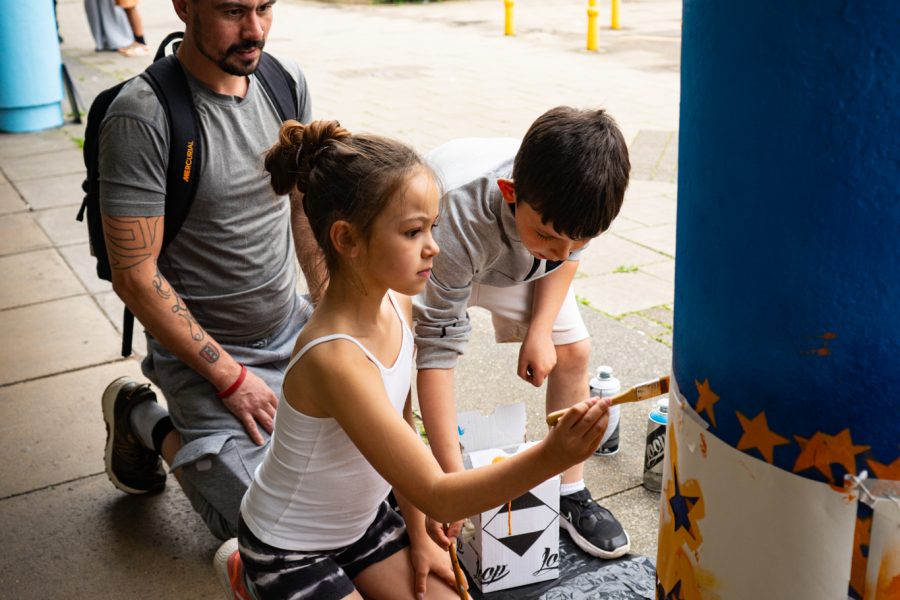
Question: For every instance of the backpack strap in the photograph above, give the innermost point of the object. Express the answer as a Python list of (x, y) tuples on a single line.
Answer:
[(279, 85), (169, 82)]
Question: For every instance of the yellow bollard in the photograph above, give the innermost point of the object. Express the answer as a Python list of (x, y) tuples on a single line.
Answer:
[(614, 20), (510, 26), (592, 13)]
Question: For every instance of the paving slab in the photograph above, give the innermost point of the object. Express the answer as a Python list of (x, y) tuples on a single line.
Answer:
[(20, 233), (610, 252), (649, 210), (55, 190), (664, 270), (660, 238), (61, 161), (621, 293), (32, 277), (10, 201), (14, 145), (641, 323), (85, 539), (61, 226), (53, 337), (51, 429), (114, 309), (79, 258)]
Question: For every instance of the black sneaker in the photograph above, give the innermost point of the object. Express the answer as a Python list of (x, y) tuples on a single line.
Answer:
[(610, 446), (130, 466), (593, 528)]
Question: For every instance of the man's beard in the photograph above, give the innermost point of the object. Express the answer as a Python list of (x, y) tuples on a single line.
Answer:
[(241, 68)]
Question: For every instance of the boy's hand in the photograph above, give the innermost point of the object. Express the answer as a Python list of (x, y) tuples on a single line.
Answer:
[(537, 358), (578, 432)]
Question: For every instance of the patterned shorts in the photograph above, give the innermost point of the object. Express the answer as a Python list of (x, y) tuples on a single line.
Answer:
[(278, 573)]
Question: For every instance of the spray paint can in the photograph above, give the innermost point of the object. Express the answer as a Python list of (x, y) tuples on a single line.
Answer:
[(655, 450), (601, 386)]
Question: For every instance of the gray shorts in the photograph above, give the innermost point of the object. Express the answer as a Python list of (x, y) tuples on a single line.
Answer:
[(218, 459)]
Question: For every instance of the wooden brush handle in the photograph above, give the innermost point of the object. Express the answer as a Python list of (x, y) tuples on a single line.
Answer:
[(635, 394), (457, 572)]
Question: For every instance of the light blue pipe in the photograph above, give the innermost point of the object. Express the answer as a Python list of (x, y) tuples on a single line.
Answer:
[(31, 87)]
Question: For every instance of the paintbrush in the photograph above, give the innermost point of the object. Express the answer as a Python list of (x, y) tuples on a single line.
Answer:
[(645, 390), (457, 572)]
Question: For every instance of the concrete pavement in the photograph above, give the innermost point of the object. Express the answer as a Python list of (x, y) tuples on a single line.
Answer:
[(424, 72)]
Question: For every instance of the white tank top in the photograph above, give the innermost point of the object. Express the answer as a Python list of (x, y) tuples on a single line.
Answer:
[(314, 490)]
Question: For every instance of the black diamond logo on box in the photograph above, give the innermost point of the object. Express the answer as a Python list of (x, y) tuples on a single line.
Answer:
[(528, 511)]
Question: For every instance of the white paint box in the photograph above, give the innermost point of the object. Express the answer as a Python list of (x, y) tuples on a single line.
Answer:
[(517, 543)]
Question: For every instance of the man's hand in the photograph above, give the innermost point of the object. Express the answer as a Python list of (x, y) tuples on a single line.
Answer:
[(426, 557), (537, 358), (252, 403)]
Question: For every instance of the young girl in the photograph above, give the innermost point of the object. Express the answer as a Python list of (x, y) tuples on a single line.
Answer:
[(315, 522)]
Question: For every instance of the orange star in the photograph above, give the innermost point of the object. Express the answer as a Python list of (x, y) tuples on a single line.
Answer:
[(758, 435), (707, 400), (821, 451), (890, 472)]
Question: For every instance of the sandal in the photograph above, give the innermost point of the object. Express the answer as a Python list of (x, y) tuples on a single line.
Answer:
[(135, 49)]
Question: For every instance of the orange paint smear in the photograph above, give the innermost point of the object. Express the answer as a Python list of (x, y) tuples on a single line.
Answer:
[(888, 590)]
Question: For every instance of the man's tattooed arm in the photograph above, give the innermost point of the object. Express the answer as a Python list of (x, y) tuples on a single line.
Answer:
[(130, 240), (133, 241)]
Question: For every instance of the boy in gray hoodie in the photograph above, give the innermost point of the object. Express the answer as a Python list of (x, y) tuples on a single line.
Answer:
[(511, 234)]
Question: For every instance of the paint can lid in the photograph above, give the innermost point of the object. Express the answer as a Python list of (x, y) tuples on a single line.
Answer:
[(604, 382)]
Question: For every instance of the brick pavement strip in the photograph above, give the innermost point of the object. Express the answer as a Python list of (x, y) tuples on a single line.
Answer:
[(425, 73)]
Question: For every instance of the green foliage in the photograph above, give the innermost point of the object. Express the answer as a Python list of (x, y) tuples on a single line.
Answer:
[(420, 426), (626, 269)]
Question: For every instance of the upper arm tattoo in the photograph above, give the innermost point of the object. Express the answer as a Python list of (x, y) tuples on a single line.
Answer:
[(130, 240)]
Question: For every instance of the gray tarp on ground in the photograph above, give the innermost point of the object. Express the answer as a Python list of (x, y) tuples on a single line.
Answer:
[(583, 577), (109, 25)]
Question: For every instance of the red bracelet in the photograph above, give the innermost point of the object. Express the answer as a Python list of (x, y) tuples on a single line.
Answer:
[(234, 386)]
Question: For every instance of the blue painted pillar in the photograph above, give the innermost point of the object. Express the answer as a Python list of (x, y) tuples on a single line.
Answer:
[(787, 282), (30, 69)]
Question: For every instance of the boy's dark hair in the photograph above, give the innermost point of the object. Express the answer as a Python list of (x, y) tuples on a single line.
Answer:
[(342, 176), (572, 169)]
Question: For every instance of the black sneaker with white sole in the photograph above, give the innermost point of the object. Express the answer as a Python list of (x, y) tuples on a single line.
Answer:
[(593, 528), (130, 466)]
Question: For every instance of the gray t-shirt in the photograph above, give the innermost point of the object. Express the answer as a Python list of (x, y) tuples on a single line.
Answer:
[(233, 259)]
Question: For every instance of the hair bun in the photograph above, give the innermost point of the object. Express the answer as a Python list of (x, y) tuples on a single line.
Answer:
[(291, 160)]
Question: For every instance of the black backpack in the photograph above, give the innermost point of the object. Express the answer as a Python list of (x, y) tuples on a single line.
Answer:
[(168, 80)]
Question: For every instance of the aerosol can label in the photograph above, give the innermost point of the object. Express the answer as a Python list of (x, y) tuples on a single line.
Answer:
[(655, 450)]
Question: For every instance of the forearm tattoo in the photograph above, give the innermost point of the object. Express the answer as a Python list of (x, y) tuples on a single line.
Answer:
[(161, 286), (209, 353), (129, 241), (181, 310)]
